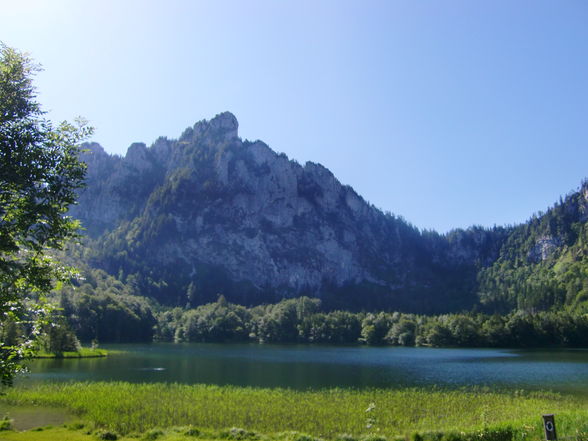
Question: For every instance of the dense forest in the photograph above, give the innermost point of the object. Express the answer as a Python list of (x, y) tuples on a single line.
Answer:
[(534, 293), (115, 316), (101, 309), (300, 321)]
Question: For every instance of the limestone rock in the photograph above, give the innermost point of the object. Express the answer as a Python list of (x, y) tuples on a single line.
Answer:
[(236, 217)]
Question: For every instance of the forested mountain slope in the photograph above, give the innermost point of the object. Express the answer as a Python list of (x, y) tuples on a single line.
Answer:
[(544, 262), (184, 220)]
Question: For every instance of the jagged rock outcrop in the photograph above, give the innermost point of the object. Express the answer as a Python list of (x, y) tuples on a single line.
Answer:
[(230, 216), (545, 247), (235, 216)]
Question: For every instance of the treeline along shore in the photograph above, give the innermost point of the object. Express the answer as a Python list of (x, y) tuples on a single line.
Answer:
[(102, 310)]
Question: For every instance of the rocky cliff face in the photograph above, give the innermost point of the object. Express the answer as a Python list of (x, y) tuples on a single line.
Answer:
[(235, 217), (220, 214)]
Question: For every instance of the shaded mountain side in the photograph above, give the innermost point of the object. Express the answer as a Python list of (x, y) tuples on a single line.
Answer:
[(209, 213)]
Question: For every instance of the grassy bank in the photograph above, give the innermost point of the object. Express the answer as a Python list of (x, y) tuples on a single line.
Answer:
[(126, 408), (82, 353)]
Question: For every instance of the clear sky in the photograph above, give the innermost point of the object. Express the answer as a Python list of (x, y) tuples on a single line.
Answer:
[(449, 113)]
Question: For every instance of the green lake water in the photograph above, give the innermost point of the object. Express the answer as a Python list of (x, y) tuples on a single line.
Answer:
[(304, 367)]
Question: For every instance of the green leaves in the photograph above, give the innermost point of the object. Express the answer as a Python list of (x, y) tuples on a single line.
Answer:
[(39, 175)]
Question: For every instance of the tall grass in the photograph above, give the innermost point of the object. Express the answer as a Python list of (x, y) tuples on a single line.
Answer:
[(82, 353), (127, 407)]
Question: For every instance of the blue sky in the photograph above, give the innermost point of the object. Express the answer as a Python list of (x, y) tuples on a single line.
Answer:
[(449, 113)]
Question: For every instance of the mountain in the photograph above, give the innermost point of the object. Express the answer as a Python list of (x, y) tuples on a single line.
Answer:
[(209, 213)]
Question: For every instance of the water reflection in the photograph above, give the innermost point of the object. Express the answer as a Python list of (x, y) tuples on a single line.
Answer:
[(303, 367)]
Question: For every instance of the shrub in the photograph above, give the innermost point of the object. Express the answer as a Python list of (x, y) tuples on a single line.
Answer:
[(76, 426), (153, 434), (106, 435), (497, 434), (5, 423)]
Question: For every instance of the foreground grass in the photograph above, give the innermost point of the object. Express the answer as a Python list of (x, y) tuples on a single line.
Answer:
[(189, 433), (127, 408), (82, 353)]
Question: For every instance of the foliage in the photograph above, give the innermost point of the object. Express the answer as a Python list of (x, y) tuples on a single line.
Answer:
[(100, 308), (106, 435), (58, 338), (5, 424), (39, 175)]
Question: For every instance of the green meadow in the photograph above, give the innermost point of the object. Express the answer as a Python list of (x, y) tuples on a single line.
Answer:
[(167, 411)]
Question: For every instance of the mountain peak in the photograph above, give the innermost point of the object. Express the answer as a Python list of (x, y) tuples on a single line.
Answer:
[(225, 121), (223, 125)]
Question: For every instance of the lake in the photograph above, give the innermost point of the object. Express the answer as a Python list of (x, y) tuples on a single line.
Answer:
[(305, 366)]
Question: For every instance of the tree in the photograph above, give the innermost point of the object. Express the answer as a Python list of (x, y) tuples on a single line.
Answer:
[(59, 338), (39, 175)]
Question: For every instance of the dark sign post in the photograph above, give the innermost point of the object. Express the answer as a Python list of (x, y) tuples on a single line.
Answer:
[(549, 426)]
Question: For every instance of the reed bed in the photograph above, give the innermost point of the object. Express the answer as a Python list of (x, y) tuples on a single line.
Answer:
[(127, 407)]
